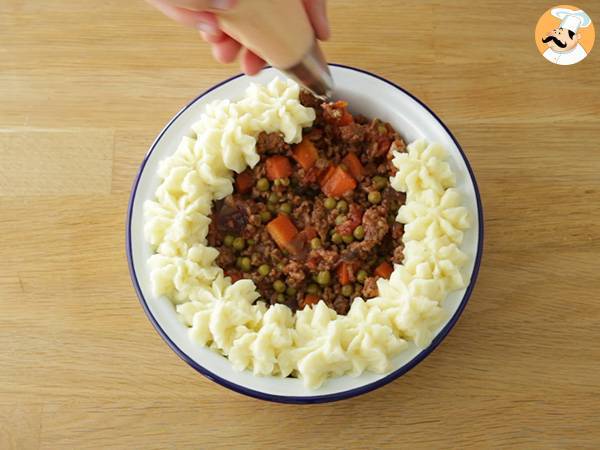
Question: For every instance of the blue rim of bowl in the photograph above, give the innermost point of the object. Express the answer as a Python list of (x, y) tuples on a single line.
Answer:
[(317, 398)]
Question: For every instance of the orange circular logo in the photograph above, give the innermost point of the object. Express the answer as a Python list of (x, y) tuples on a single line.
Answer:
[(565, 35)]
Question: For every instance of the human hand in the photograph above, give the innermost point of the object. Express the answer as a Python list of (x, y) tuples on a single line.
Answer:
[(200, 14)]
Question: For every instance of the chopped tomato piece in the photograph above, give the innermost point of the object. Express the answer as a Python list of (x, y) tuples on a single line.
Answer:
[(384, 145), (384, 270), (310, 233), (283, 231), (345, 118), (354, 219), (235, 276), (354, 165), (299, 245), (306, 153), (309, 299), (278, 167), (312, 175), (312, 262), (244, 182), (338, 183), (337, 113)]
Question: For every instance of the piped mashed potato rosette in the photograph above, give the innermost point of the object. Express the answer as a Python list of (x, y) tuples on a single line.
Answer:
[(315, 343)]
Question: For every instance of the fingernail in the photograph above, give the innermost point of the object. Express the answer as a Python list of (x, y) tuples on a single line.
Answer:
[(206, 27), (222, 4)]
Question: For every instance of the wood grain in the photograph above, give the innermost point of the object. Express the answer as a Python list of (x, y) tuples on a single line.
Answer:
[(85, 86)]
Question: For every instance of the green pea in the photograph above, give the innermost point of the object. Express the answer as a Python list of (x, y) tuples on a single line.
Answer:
[(324, 277), (251, 242), (276, 182), (329, 203), (336, 238), (374, 197), (228, 240), (342, 206), (359, 232), (273, 197), (272, 207), (262, 185), (291, 291), (348, 239), (312, 289), (285, 181), (279, 286), (347, 290), (379, 183), (265, 216), (264, 270), (238, 262), (239, 244), (361, 276), (280, 266), (340, 219), (315, 243), (280, 298), (245, 264), (285, 208)]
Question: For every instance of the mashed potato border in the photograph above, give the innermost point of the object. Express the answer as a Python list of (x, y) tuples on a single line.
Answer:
[(315, 343)]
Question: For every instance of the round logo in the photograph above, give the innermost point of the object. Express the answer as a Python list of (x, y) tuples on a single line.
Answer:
[(565, 35)]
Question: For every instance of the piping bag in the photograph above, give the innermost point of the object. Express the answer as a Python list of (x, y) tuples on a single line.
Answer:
[(280, 32)]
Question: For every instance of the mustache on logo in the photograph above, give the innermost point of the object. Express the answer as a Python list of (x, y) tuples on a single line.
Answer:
[(556, 41)]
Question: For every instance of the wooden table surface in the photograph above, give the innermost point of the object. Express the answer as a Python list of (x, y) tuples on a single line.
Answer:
[(84, 88)]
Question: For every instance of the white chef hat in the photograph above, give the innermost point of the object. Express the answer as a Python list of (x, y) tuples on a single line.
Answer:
[(572, 20)]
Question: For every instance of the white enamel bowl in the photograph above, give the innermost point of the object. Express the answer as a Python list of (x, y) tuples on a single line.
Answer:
[(370, 95)]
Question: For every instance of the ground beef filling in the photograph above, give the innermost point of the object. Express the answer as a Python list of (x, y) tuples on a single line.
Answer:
[(315, 220)]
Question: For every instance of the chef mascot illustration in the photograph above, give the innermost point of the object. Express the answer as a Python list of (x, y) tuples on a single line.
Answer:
[(563, 42)]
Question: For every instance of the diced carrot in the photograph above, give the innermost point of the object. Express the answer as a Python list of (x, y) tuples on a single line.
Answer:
[(278, 167), (354, 165), (344, 271), (384, 270), (306, 153), (244, 182), (309, 299), (326, 174), (338, 183), (283, 231)]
